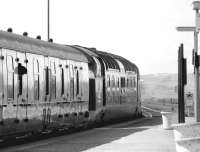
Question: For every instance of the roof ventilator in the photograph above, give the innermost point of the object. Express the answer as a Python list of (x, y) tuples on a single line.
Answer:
[(9, 30), (51, 40), (38, 37), (25, 34)]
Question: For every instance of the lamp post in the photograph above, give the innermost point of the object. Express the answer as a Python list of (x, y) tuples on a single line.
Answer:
[(48, 20)]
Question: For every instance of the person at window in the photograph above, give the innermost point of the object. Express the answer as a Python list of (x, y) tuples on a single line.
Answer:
[(20, 70)]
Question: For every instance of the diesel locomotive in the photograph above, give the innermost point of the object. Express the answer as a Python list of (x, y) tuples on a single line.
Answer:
[(46, 86)]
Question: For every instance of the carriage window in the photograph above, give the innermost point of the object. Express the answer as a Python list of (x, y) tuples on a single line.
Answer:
[(134, 83), (53, 68), (20, 80), (108, 81), (123, 82), (47, 80), (36, 66), (113, 81), (53, 81), (62, 81), (10, 67), (20, 70), (131, 82), (77, 82), (72, 88), (80, 81), (71, 82), (10, 70), (118, 82), (36, 79)]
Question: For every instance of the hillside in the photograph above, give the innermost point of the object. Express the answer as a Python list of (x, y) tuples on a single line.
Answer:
[(163, 86)]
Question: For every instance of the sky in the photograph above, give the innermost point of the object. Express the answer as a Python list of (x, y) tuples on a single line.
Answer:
[(144, 32)]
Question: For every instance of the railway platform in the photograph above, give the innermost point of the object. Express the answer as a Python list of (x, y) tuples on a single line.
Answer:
[(142, 135)]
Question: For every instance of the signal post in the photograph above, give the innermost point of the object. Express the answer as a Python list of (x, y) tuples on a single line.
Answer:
[(196, 57)]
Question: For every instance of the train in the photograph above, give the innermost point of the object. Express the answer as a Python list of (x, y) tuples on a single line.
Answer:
[(49, 86)]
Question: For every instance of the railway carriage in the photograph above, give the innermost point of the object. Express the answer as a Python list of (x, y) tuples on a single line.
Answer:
[(46, 86), (117, 94)]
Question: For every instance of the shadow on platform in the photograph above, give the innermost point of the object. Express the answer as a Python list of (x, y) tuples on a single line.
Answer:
[(90, 140)]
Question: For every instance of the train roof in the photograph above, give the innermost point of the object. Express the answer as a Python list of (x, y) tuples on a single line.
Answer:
[(129, 66), (86, 52), (30, 45), (108, 60)]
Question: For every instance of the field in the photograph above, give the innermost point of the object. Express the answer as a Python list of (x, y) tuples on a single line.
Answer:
[(160, 91), (159, 106), (163, 86)]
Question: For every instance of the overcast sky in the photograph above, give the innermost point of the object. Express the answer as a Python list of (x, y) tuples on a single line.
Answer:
[(141, 31)]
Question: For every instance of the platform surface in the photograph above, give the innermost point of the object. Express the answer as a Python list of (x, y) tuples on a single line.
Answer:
[(144, 135)]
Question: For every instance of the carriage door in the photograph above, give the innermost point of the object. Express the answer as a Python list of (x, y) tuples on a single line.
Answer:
[(22, 81), (46, 107), (92, 95)]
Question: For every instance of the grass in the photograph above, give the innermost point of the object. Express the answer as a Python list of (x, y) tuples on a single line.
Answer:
[(161, 106)]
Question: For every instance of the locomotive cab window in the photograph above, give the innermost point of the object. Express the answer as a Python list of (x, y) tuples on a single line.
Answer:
[(10, 78)]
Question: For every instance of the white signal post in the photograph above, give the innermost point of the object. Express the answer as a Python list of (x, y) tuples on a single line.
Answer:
[(196, 7)]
